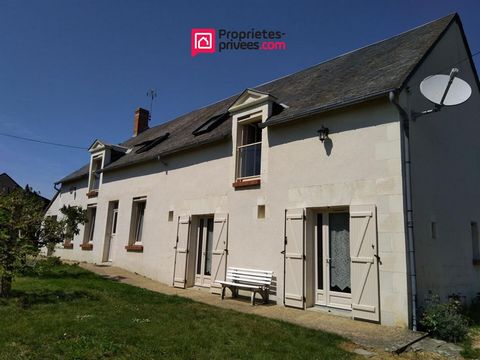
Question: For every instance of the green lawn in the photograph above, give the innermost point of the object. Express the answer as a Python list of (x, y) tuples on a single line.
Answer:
[(66, 312)]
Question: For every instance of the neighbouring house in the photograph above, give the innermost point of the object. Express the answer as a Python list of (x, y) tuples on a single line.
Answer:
[(326, 177), (7, 184)]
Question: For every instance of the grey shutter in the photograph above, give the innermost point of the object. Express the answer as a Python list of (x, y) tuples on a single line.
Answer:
[(181, 251), (294, 289), (219, 251), (364, 262)]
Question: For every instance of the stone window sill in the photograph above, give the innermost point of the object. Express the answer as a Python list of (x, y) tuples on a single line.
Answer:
[(68, 246), (86, 246), (246, 183), (134, 248), (92, 194)]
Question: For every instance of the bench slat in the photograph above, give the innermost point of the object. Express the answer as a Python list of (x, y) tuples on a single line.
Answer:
[(268, 278), (245, 286), (253, 281), (246, 278), (252, 270), (253, 273)]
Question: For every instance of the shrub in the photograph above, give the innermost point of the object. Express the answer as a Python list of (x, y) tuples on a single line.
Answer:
[(444, 321), (40, 266)]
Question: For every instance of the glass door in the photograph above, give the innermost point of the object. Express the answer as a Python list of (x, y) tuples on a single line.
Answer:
[(203, 265), (113, 232), (333, 259)]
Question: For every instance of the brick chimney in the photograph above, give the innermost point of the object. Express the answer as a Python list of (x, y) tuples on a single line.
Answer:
[(140, 121)]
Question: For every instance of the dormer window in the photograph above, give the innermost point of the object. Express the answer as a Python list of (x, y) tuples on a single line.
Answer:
[(249, 150), (96, 165), (248, 112), (94, 178), (102, 155)]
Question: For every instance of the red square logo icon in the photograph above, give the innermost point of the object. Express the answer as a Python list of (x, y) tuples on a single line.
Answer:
[(203, 41)]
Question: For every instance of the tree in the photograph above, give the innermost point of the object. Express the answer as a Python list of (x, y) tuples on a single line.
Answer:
[(24, 231)]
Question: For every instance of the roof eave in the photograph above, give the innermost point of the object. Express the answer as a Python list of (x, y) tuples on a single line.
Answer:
[(325, 108), (166, 153), (67, 180)]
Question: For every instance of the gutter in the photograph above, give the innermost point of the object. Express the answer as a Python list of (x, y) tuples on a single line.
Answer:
[(324, 108), (407, 183)]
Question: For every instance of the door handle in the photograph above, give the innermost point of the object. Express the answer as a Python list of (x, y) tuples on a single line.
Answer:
[(328, 260), (282, 252)]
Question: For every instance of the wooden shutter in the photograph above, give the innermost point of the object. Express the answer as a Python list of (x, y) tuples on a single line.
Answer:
[(219, 251), (364, 262), (294, 288), (181, 251)]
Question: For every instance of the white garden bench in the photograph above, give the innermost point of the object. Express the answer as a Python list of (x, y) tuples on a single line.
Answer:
[(257, 281)]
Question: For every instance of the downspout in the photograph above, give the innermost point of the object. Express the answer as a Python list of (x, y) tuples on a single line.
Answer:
[(405, 123)]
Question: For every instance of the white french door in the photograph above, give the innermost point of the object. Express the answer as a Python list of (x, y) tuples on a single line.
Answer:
[(113, 232), (203, 259), (333, 275)]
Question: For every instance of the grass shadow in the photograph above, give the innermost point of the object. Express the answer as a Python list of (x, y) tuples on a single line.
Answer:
[(59, 274), (27, 299)]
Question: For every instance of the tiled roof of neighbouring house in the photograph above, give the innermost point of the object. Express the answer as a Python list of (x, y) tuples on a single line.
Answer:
[(358, 75), (7, 184)]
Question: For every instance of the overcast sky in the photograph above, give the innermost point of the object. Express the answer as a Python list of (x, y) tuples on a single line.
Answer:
[(74, 71)]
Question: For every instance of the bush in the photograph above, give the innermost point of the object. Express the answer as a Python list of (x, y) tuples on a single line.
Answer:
[(40, 266), (444, 321)]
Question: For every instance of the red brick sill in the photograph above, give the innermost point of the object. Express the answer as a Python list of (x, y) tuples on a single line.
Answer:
[(92, 194), (476, 262), (86, 246), (134, 248), (246, 183), (68, 246)]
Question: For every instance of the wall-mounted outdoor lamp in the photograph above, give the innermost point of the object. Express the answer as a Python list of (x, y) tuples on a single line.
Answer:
[(323, 134)]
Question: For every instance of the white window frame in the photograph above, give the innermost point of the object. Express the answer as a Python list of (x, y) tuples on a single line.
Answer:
[(239, 146), (90, 225), (93, 175), (137, 223)]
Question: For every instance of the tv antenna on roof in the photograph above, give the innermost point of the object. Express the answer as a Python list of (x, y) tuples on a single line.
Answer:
[(444, 90), (152, 94)]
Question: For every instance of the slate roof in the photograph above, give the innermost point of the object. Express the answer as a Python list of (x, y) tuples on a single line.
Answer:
[(356, 76)]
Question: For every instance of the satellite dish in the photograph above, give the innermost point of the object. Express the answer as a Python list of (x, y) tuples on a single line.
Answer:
[(445, 89)]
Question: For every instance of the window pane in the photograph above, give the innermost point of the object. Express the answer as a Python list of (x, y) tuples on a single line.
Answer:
[(208, 248), (249, 160), (114, 222), (200, 247), (140, 216), (96, 165), (93, 212), (319, 252), (251, 133), (339, 230), (96, 181)]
